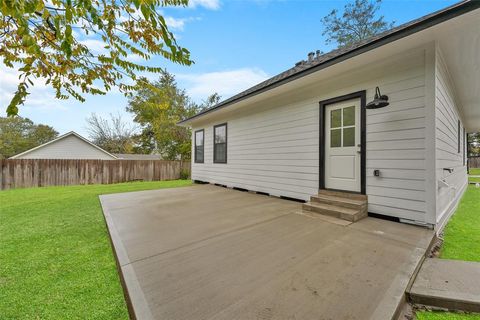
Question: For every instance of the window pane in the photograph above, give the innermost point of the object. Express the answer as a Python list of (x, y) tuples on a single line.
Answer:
[(349, 116), (349, 137), (220, 144), (220, 152), (335, 138), (199, 138), (199, 154), (336, 118), (220, 134), (458, 135)]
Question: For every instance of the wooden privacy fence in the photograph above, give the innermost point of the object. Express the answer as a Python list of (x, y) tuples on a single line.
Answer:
[(25, 173), (474, 162)]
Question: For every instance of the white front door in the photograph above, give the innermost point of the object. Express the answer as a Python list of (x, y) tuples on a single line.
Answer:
[(342, 146)]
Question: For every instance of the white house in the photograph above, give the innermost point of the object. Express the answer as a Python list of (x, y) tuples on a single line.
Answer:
[(68, 146), (308, 128)]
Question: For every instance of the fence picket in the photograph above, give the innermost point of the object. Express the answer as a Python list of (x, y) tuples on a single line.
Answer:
[(25, 173), (474, 162)]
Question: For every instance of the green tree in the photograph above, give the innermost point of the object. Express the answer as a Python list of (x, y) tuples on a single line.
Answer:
[(210, 102), (44, 39), (19, 134), (158, 107), (113, 135), (473, 144), (359, 21)]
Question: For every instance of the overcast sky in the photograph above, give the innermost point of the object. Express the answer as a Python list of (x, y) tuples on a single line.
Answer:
[(235, 44)]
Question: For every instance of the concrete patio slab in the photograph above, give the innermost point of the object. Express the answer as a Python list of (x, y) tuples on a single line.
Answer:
[(450, 284), (206, 252)]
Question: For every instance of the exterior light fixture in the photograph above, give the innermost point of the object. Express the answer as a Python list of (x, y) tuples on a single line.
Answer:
[(379, 101)]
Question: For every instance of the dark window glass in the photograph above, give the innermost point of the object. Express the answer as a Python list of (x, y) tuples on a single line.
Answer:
[(335, 138), (464, 145), (349, 116), (336, 118), (349, 137), (458, 136), (199, 145), (220, 144)]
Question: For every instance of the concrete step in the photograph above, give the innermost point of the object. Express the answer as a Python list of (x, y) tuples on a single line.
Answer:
[(450, 284), (335, 211), (343, 194), (339, 201)]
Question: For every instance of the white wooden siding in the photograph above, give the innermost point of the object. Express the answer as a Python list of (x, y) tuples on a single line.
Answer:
[(447, 115), (275, 149), (69, 147)]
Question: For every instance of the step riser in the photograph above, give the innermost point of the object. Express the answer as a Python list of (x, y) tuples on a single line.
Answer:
[(330, 213), (449, 304), (340, 215), (340, 194), (339, 203), (448, 284)]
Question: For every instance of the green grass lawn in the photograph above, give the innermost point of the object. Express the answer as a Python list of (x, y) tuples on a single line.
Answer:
[(461, 242), (462, 233), (474, 171), (474, 179), (56, 261), (424, 315)]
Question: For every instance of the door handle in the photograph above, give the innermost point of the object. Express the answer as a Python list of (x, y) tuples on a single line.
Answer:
[(360, 146)]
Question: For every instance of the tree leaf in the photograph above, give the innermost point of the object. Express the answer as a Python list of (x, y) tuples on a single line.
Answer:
[(40, 42)]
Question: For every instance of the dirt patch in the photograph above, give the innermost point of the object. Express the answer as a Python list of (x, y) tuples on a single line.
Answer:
[(436, 246)]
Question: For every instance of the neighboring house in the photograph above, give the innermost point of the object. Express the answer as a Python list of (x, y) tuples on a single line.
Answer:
[(68, 146), (127, 156), (308, 128)]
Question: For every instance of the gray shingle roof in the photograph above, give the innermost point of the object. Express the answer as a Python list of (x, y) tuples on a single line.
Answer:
[(126, 156), (344, 53)]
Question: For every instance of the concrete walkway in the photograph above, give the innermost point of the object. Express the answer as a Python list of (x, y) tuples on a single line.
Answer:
[(206, 252), (450, 284)]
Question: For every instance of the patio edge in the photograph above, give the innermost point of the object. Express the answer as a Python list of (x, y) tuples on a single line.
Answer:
[(137, 305)]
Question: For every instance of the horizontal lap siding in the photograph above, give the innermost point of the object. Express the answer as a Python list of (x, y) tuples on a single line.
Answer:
[(273, 151), (396, 147), (69, 147), (277, 150), (447, 155)]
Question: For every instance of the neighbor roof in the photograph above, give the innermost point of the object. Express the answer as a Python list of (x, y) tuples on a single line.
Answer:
[(320, 62), (128, 156), (71, 133)]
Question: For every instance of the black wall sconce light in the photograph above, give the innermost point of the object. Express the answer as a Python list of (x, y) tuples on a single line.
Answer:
[(379, 101)]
